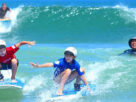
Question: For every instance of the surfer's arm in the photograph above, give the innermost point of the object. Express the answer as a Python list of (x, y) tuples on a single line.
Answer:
[(84, 80), (42, 65), (24, 43), (9, 9), (82, 76)]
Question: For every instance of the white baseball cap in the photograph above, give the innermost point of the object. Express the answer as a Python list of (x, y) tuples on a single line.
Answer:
[(2, 42), (73, 50)]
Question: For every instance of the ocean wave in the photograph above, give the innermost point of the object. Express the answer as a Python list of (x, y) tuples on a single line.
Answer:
[(58, 24)]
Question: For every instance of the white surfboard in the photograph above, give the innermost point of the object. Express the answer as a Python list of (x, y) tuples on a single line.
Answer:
[(8, 84), (7, 81)]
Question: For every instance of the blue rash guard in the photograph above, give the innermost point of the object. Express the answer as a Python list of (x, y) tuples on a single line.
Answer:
[(62, 65), (129, 52)]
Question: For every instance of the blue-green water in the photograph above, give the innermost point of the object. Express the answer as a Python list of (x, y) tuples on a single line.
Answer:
[(99, 31)]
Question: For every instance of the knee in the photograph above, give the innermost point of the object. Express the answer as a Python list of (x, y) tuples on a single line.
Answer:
[(83, 70), (14, 62), (68, 71)]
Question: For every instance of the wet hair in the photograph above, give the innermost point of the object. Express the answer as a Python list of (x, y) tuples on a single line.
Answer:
[(2, 46), (3, 4), (68, 53), (130, 41)]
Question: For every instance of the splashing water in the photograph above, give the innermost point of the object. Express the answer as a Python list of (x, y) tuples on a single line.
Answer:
[(7, 26)]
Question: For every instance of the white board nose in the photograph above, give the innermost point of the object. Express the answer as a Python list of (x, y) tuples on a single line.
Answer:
[(6, 73)]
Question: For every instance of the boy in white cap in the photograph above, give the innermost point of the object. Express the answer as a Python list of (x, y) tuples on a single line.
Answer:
[(8, 59), (67, 69)]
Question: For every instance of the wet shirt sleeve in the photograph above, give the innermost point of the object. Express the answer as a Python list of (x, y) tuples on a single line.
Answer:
[(56, 64), (128, 52), (78, 69), (13, 49), (7, 9)]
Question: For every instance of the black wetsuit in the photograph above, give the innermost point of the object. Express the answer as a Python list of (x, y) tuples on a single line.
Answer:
[(3, 13), (129, 52)]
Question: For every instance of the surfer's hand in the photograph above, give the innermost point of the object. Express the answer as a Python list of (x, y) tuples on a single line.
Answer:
[(31, 43), (34, 65), (88, 89)]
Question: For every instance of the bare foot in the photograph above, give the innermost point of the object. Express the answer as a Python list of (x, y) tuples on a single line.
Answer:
[(13, 81), (59, 93)]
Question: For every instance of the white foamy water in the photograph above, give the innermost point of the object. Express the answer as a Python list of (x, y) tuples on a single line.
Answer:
[(7, 26)]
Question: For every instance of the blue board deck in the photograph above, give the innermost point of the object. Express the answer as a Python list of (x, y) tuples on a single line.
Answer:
[(6, 21), (8, 84), (72, 92)]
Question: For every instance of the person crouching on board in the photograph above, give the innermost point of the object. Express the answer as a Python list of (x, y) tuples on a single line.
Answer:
[(8, 59), (67, 69), (132, 44)]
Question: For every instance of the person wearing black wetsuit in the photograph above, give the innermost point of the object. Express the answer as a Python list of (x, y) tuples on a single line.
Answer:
[(3, 11), (132, 44)]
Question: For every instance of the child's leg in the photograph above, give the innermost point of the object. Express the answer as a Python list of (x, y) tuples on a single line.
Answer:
[(74, 75), (14, 69), (78, 79), (58, 78), (65, 75)]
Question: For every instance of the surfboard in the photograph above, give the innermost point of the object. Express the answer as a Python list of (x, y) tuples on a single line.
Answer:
[(5, 20), (8, 84), (72, 93)]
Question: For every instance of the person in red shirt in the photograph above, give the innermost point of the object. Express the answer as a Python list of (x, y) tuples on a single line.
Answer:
[(8, 59)]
